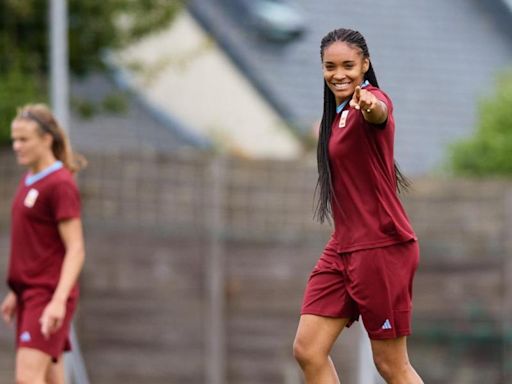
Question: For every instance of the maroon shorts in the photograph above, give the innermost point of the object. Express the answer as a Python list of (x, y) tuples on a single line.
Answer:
[(374, 283), (30, 306)]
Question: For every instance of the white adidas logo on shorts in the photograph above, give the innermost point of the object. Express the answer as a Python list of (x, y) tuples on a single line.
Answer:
[(25, 337), (386, 325)]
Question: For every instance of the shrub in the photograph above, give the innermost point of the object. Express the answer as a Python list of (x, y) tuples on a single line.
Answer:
[(489, 151), (18, 88)]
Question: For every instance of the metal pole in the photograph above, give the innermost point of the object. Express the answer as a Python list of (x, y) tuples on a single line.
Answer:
[(506, 326), (76, 361), (215, 323), (59, 61), (59, 94), (367, 373)]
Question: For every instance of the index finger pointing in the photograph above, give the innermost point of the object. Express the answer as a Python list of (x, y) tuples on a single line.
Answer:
[(357, 92)]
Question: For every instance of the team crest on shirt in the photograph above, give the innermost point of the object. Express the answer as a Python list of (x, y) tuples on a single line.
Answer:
[(343, 119), (31, 198)]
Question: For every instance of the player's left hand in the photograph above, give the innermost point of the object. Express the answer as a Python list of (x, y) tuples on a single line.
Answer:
[(52, 318), (8, 307), (363, 100)]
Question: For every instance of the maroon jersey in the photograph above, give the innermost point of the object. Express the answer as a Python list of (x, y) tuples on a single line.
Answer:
[(366, 209), (37, 250)]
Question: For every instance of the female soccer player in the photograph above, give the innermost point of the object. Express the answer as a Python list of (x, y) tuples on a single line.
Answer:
[(368, 265), (47, 248)]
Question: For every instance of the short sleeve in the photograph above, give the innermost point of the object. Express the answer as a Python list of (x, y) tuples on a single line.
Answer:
[(66, 201), (386, 100)]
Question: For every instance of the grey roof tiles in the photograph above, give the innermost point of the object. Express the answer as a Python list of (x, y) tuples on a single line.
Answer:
[(434, 58)]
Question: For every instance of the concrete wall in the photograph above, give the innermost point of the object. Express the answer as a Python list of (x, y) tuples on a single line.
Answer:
[(148, 222)]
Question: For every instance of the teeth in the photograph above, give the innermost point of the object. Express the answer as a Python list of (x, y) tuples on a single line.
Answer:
[(341, 85)]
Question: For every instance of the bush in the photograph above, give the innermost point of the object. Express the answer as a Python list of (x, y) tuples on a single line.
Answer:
[(94, 28), (18, 88), (489, 151)]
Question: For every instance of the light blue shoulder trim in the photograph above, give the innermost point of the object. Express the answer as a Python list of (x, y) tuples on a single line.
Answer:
[(340, 107), (31, 179)]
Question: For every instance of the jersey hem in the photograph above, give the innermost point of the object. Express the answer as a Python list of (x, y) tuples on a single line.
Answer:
[(391, 335), (378, 244), (321, 313)]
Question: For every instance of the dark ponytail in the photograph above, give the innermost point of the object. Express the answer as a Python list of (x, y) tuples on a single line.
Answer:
[(324, 189)]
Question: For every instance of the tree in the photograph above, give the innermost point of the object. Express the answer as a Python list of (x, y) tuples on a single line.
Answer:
[(95, 26), (489, 151)]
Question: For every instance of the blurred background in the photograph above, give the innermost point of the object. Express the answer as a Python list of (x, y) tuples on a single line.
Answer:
[(198, 119)]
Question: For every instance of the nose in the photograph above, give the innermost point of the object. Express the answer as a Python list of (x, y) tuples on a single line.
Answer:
[(339, 74), (15, 146)]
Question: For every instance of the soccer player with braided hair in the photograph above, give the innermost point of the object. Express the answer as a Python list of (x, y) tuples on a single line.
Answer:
[(368, 265), (47, 248)]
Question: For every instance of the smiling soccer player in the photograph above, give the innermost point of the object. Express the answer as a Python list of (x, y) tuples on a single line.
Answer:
[(368, 265)]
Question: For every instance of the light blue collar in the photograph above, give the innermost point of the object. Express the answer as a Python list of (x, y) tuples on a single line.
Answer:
[(340, 107), (31, 179)]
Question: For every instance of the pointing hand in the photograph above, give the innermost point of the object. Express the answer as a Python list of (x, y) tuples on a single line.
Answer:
[(363, 100)]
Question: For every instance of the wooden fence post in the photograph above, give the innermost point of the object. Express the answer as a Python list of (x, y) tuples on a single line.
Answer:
[(215, 322)]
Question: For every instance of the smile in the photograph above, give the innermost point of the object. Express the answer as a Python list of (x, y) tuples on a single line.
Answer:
[(341, 86)]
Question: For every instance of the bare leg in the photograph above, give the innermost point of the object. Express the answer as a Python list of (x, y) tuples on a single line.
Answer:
[(313, 343), (31, 366), (55, 373), (392, 361)]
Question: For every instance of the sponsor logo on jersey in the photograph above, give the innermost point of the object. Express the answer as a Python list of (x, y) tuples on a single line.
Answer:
[(31, 198)]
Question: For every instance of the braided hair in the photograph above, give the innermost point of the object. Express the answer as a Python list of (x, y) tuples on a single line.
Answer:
[(324, 188)]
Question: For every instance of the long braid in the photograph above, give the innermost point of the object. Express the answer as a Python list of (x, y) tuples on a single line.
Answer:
[(324, 189), (403, 183), (323, 208), (371, 77)]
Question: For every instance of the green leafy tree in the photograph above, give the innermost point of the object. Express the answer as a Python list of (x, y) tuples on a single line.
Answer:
[(95, 26), (489, 151), (17, 87)]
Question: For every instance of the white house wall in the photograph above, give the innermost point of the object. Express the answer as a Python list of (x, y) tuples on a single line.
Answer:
[(182, 71)]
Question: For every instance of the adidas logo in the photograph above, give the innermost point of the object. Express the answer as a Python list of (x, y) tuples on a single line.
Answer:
[(25, 336), (386, 325)]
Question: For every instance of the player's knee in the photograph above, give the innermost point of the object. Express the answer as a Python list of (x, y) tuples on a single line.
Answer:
[(384, 366), (305, 353), (27, 378), (390, 368), (26, 374), (299, 351)]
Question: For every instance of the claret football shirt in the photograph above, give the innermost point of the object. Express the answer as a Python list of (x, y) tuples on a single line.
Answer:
[(37, 250), (366, 209)]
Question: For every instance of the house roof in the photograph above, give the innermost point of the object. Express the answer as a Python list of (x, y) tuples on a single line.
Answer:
[(434, 58), (182, 72), (139, 127)]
